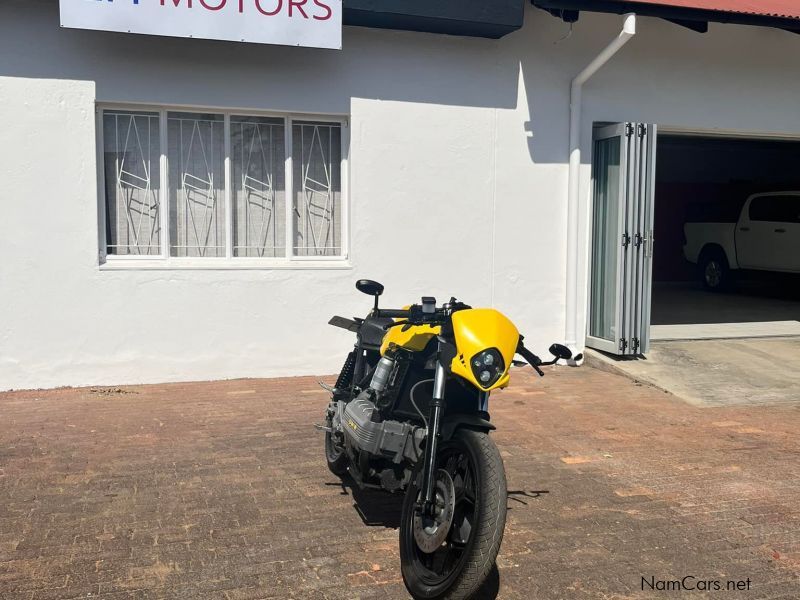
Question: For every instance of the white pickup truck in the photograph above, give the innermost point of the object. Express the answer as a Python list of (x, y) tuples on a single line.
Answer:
[(766, 237)]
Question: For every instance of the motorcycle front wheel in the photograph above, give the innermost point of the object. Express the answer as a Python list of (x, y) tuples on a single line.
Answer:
[(456, 568)]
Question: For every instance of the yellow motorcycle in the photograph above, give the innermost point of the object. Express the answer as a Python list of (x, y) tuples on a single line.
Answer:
[(410, 411)]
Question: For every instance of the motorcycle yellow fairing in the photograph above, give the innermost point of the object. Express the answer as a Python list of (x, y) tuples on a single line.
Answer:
[(475, 330), (413, 338)]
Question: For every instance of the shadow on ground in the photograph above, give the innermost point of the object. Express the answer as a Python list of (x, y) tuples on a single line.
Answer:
[(377, 508)]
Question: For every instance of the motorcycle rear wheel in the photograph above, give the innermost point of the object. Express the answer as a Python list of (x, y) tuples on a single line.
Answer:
[(335, 457), (459, 566)]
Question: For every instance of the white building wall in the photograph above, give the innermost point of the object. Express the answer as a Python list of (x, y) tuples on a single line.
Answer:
[(457, 180), (734, 79)]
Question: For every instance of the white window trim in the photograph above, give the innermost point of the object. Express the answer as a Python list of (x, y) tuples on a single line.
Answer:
[(114, 262)]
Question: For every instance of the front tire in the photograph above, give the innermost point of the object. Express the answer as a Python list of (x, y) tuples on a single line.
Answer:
[(459, 566)]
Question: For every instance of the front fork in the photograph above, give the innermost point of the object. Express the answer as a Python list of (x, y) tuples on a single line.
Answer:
[(433, 434)]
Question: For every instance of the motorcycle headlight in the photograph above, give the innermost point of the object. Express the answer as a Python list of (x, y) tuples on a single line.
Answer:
[(488, 367)]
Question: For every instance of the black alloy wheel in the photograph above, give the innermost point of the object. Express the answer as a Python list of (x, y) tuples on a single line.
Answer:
[(475, 518), (335, 455), (715, 272)]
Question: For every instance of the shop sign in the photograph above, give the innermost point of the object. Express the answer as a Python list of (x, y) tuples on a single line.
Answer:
[(313, 23)]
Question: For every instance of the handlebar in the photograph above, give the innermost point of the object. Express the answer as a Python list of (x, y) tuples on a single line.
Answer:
[(531, 358), (393, 313), (419, 314)]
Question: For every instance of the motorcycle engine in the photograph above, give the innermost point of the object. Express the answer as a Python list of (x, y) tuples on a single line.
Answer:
[(362, 424)]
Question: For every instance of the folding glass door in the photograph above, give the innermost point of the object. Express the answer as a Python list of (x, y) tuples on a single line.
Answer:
[(623, 174)]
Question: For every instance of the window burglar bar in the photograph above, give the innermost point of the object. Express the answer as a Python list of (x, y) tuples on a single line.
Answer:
[(259, 209), (136, 230), (199, 196), (197, 219), (317, 212), (139, 247), (227, 177), (260, 146)]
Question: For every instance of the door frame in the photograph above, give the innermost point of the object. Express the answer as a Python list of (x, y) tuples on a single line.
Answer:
[(605, 132)]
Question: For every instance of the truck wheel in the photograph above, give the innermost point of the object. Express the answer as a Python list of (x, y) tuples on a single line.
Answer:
[(715, 272)]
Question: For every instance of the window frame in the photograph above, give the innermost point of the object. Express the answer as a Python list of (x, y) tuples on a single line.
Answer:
[(164, 260)]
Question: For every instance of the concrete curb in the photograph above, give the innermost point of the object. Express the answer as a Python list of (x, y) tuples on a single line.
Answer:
[(597, 360)]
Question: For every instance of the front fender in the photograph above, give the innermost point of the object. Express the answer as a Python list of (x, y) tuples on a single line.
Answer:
[(452, 423)]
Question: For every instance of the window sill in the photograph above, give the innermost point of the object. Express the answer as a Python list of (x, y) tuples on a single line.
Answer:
[(212, 264)]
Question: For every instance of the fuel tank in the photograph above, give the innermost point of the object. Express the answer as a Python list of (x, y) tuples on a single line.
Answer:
[(414, 338)]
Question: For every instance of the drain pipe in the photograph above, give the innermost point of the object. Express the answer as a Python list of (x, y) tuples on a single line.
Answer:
[(573, 190)]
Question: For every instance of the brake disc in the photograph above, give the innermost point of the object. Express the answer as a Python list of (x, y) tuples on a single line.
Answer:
[(431, 531)]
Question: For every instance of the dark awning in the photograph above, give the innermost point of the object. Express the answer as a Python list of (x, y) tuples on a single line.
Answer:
[(476, 18), (784, 14)]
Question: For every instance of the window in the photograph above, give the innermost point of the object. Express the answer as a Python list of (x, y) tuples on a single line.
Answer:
[(182, 187), (780, 208), (317, 207), (132, 182), (196, 161), (258, 147)]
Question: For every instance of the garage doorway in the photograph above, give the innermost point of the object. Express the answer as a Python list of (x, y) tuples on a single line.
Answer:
[(727, 231)]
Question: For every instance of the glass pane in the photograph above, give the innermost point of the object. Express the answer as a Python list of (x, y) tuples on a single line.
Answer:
[(259, 194), (777, 209), (605, 240), (317, 160), (132, 180), (196, 155)]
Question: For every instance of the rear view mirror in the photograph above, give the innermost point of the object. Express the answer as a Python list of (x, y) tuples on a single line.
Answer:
[(561, 352), (369, 287)]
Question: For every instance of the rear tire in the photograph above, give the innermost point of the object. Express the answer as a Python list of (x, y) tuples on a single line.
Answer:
[(714, 271), (335, 457), (471, 562)]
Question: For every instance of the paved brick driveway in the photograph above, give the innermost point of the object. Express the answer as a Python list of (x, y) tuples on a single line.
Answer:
[(219, 490)]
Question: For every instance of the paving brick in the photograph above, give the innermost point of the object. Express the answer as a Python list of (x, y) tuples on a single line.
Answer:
[(219, 490)]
